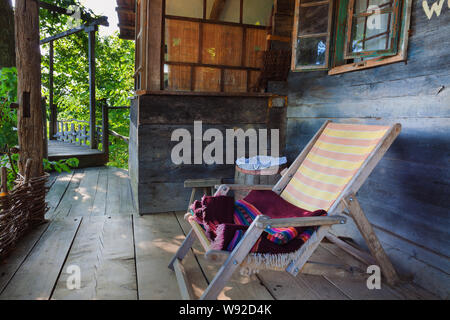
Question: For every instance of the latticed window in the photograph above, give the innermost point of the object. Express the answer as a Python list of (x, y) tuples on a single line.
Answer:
[(373, 28), (347, 35)]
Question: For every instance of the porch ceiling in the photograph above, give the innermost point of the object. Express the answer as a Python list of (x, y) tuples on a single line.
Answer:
[(126, 12)]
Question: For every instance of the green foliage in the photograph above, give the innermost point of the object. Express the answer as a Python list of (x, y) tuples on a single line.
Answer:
[(8, 116), (114, 76), (61, 165), (12, 168)]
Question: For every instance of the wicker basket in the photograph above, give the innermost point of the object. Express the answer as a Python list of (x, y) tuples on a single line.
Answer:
[(20, 210)]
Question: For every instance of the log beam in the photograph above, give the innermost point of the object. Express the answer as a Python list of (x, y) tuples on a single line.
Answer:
[(28, 60)]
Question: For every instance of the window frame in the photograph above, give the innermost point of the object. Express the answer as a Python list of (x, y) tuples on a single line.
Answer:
[(295, 36), (393, 38), (223, 68), (338, 62)]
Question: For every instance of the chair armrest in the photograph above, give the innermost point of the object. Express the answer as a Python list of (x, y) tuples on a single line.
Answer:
[(201, 183), (304, 221)]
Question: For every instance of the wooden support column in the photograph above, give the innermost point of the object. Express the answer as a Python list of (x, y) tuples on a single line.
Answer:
[(28, 60), (92, 101), (155, 46), (53, 114), (105, 128), (44, 131)]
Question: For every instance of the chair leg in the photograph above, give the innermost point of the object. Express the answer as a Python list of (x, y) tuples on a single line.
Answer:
[(234, 260), (371, 239), (306, 251), (183, 249)]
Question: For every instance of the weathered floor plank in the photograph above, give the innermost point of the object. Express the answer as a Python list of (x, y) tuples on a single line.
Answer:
[(124, 256), (70, 197), (36, 277), (14, 260), (239, 287), (157, 238), (104, 252), (404, 290), (355, 289), (113, 196), (126, 198), (99, 204), (85, 193), (56, 193)]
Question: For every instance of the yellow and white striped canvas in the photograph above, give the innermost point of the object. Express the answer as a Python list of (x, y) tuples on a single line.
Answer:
[(330, 165)]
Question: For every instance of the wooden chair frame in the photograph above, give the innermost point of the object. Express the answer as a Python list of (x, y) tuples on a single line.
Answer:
[(346, 200)]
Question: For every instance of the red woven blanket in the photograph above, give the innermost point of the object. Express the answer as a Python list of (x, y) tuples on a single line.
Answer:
[(218, 217)]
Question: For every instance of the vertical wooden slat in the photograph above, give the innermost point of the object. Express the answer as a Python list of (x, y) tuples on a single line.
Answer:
[(241, 12), (92, 100), (44, 129), (154, 45), (105, 128), (51, 104), (163, 30)]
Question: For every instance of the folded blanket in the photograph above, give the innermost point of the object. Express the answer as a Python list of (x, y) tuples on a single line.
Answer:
[(212, 211), (245, 213), (225, 221)]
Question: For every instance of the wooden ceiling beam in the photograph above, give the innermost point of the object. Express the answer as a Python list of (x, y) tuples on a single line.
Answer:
[(217, 9), (126, 26), (125, 10)]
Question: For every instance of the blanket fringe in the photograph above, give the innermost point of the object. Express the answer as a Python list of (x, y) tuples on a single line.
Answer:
[(257, 261)]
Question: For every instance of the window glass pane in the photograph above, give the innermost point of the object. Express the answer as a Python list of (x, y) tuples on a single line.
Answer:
[(371, 33), (185, 8), (257, 12), (311, 51), (229, 12), (364, 5), (313, 20)]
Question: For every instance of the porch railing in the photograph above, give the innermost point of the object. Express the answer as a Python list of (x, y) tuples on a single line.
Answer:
[(75, 131), (78, 132)]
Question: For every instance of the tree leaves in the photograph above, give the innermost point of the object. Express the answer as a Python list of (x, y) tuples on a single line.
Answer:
[(114, 76)]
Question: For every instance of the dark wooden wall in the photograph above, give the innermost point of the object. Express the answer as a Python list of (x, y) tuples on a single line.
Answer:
[(156, 181), (407, 197)]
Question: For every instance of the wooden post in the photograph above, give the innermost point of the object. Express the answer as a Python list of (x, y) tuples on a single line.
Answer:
[(92, 112), (155, 49), (44, 131), (53, 115), (105, 128), (28, 60), (4, 182), (7, 52)]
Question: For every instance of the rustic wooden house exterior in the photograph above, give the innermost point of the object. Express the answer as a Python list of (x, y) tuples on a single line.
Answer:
[(357, 61)]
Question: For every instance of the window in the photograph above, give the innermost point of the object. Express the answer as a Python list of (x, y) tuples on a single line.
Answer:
[(215, 45), (313, 24), (361, 34)]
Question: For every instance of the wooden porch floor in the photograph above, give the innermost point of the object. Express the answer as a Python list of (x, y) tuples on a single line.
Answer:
[(88, 157), (93, 225)]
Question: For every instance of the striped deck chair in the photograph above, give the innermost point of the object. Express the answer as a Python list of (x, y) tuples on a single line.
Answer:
[(326, 175)]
